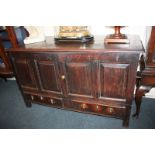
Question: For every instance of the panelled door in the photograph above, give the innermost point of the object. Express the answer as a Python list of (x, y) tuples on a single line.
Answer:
[(113, 80), (80, 74), (47, 72), (23, 67)]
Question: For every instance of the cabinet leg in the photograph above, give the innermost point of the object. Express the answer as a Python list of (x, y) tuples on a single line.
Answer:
[(28, 104), (126, 122), (140, 92), (126, 117), (5, 79), (138, 99)]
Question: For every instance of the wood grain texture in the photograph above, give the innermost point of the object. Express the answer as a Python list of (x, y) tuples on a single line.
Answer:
[(94, 78), (112, 85), (97, 46)]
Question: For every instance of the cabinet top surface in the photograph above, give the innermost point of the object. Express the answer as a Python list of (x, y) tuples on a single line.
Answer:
[(97, 45)]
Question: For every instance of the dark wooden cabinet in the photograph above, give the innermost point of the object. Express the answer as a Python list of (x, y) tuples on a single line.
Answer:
[(92, 78)]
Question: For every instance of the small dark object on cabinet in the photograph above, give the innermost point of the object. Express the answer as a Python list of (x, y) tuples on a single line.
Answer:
[(84, 39)]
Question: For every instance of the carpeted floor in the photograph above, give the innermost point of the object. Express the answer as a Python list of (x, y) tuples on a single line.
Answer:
[(15, 115)]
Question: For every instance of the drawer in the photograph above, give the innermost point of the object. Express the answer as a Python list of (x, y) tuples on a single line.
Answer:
[(100, 109), (55, 102)]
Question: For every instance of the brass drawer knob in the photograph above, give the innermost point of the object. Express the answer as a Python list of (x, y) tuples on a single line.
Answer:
[(111, 110), (84, 106), (51, 100), (41, 98), (97, 107), (32, 97), (63, 77)]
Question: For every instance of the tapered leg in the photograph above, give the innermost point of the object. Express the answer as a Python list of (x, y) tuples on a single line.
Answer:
[(126, 121), (140, 92), (138, 99), (27, 102)]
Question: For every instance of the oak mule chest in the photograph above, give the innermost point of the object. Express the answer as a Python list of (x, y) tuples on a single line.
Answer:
[(93, 78)]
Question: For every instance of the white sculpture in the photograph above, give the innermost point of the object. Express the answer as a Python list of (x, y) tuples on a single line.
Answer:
[(36, 34)]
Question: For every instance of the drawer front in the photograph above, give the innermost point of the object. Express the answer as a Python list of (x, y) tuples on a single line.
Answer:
[(100, 109), (55, 102)]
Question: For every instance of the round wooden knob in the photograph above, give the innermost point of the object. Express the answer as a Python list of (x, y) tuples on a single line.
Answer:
[(63, 77)]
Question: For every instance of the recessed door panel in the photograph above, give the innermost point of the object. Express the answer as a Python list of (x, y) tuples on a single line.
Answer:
[(24, 72), (48, 75), (46, 66), (79, 78), (113, 80)]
